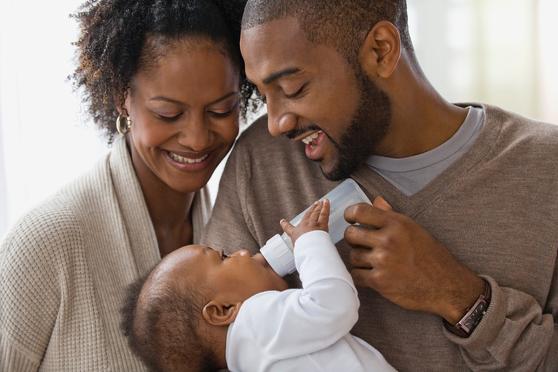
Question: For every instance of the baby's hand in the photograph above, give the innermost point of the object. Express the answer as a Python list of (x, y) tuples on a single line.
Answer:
[(316, 218)]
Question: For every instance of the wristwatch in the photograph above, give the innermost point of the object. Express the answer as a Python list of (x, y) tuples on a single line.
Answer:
[(466, 325)]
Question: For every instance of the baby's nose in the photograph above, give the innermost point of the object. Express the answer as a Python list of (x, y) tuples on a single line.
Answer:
[(241, 252)]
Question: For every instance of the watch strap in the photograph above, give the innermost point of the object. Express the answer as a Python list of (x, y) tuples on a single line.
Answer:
[(467, 324)]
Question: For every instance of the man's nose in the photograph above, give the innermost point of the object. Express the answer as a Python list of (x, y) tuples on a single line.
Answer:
[(280, 124)]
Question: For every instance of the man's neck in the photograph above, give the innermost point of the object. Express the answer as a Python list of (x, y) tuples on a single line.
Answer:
[(421, 118)]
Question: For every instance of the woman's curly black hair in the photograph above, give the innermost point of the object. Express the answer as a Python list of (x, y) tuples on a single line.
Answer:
[(112, 45)]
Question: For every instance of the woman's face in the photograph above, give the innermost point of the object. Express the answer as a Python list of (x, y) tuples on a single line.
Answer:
[(184, 112)]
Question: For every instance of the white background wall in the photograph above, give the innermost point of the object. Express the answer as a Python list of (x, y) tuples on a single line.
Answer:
[(501, 52)]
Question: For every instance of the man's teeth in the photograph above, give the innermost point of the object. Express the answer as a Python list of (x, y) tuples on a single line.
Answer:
[(308, 140), (183, 160)]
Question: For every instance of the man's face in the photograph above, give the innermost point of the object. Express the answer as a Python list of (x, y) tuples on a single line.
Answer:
[(315, 96)]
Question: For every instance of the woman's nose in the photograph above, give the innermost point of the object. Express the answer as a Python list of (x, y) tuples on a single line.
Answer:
[(195, 134)]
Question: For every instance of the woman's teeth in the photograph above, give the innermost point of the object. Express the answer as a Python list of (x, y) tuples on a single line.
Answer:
[(183, 160), (308, 140)]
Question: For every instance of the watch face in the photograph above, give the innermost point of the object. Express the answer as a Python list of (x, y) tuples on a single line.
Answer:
[(473, 319)]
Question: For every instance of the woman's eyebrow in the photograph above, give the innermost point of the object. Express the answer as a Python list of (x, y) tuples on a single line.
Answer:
[(170, 100)]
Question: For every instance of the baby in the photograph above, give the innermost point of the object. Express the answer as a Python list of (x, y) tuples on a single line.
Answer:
[(200, 310)]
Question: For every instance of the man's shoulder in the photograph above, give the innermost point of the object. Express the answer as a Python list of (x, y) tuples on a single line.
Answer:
[(516, 128), (522, 143)]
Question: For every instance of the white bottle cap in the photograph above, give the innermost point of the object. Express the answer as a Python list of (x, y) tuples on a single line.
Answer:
[(279, 256)]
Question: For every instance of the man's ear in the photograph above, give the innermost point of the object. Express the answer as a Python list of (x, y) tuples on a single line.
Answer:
[(220, 314), (380, 52)]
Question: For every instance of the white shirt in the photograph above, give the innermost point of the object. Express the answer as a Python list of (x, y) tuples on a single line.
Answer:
[(304, 329)]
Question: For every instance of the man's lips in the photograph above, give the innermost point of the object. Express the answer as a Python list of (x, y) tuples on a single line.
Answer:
[(309, 139), (314, 145), (298, 134)]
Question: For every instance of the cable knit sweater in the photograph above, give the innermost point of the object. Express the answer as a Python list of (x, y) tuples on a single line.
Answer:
[(65, 266)]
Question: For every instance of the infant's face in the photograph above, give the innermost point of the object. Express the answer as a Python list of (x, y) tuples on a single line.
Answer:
[(234, 278)]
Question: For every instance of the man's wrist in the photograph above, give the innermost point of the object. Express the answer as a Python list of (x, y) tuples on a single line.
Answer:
[(460, 301), (465, 326)]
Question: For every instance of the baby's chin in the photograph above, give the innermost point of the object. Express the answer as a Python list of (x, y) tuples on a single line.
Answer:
[(281, 284)]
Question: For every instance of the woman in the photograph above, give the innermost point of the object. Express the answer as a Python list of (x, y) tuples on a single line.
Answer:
[(167, 76)]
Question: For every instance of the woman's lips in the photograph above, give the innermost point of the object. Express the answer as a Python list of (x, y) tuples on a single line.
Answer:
[(190, 162)]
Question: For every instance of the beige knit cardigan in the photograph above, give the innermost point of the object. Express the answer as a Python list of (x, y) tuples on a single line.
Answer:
[(64, 268)]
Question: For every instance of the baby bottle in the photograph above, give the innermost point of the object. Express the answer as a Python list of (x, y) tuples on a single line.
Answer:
[(278, 250)]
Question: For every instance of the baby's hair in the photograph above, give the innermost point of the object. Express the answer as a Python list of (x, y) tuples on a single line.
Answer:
[(161, 325)]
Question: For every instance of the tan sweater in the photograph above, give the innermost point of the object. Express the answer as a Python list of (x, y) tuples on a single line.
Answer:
[(65, 266), (496, 209)]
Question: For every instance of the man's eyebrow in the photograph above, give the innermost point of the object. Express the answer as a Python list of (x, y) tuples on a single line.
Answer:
[(280, 74)]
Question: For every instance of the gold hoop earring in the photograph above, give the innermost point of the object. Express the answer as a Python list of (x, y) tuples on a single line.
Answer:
[(121, 127)]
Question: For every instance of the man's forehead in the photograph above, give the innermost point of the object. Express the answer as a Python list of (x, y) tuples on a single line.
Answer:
[(273, 46)]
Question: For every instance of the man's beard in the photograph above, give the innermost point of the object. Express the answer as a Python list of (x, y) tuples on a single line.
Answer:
[(368, 127)]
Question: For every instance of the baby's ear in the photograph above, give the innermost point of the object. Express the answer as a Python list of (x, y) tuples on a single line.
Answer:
[(220, 314)]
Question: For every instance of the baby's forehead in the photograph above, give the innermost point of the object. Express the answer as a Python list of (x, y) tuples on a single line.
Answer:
[(179, 266), (178, 261), (194, 253)]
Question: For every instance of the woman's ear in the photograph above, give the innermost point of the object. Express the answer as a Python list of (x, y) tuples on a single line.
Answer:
[(123, 103), (220, 314), (380, 52)]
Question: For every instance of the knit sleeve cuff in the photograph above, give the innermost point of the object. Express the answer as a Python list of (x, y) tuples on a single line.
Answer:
[(490, 325), (14, 358)]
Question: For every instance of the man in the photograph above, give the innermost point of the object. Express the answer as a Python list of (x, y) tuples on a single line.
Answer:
[(458, 269)]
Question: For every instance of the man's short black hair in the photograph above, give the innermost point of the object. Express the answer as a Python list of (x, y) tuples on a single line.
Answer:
[(342, 24), (161, 325)]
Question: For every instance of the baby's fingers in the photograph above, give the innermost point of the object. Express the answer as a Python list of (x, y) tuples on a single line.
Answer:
[(308, 216), (314, 212), (323, 217), (287, 227)]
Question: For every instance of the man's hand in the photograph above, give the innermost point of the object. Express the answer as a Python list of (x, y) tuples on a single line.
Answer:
[(316, 218), (399, 259)]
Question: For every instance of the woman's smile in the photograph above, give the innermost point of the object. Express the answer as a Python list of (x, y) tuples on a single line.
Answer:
[(190, 162)]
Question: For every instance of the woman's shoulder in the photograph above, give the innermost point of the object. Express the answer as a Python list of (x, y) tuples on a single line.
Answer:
[(56, 223), (41, 235)]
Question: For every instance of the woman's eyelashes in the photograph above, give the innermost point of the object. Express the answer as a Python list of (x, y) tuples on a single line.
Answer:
[(216, 113), (224, 113), (169, 118)]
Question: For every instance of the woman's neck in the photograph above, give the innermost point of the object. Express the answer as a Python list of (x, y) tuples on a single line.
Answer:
[(170, 211)]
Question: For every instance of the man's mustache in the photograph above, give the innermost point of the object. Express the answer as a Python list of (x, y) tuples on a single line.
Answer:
[(298, 131)]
